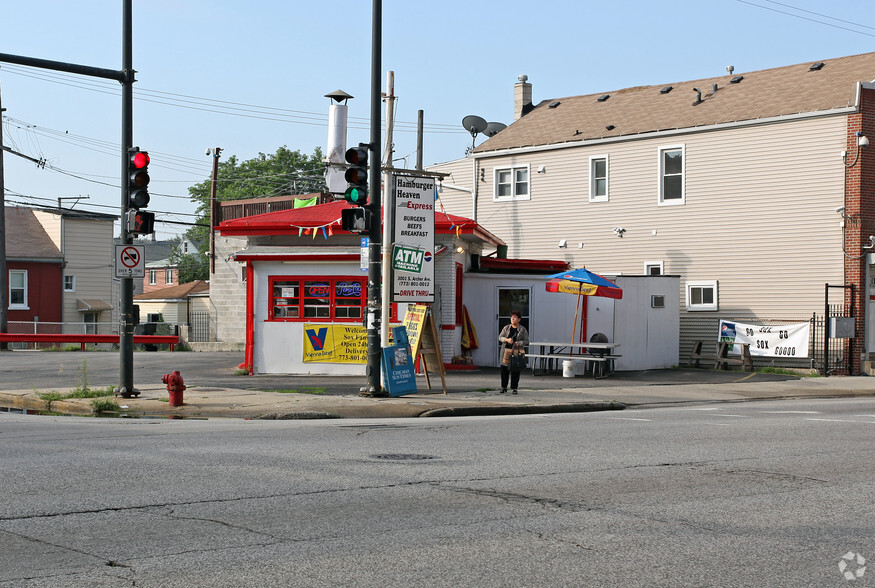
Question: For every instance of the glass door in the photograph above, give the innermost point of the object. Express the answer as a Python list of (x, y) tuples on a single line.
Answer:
[(510, 299)]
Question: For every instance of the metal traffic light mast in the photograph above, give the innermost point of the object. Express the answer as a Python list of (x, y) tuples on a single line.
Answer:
[(126, 77)]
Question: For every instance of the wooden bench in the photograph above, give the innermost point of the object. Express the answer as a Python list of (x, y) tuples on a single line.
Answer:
[(721, 358), (172, 340)]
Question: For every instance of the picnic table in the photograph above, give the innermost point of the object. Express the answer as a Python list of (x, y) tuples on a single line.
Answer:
[(548, 354)]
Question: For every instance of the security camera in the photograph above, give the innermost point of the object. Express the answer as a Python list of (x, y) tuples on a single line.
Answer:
[(840, 209), (207, 152)]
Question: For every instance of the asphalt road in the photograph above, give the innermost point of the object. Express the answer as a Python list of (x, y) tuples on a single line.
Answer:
[(26, 370), (748, 494)]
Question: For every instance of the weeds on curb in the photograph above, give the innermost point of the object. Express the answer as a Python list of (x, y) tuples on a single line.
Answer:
[(103, 405)]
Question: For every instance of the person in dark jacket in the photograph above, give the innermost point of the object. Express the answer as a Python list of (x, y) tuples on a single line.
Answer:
[(512, 337)]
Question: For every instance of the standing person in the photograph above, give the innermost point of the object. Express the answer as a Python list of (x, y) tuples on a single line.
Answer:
[(512, 336)]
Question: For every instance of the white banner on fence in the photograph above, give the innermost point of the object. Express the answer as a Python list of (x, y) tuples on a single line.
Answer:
[(768, 341)]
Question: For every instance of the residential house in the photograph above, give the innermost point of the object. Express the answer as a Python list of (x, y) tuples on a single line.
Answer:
[(756, 188), (85, 241), (160, 271), (35, 273), (169, 305)]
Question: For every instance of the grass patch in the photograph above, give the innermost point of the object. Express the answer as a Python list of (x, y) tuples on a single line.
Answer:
[(308, 390), (91, 392), (51, 396), (103, 405), (241, 372), (788, 372)]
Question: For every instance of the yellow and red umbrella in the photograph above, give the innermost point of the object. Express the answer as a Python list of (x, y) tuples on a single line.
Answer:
[(583, 283)]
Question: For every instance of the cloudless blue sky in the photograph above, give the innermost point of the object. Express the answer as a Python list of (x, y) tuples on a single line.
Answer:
[(251, 77)]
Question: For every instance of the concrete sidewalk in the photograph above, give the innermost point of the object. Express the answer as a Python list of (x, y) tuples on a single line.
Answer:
[(472, 392)]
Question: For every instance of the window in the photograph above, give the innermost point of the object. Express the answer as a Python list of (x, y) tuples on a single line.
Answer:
[(69, 283), (671, 175), (598, 178), (512, 183), (702, 295), (316, 298), (153, 277), (18, 289), (168, 276), (653, 268)]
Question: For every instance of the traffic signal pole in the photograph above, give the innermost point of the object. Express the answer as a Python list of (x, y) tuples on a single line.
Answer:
[(375, 244), (125, 77)]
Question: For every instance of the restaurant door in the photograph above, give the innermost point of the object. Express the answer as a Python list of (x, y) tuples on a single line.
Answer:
[(510, 299)]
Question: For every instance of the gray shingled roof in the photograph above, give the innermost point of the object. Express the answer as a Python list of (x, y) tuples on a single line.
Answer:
[(631, 111), (25, 237)]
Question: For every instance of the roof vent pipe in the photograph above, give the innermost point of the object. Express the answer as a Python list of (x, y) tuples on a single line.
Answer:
[(698, 96)]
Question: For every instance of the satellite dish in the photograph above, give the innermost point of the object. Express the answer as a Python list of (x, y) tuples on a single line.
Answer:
[(494, 128), (474, 124)]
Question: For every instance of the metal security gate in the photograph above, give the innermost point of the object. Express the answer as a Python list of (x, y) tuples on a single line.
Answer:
[(199, 326)]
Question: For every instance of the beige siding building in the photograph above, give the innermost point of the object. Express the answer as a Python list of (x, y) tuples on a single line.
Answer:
[(85, 240), (749, 188)]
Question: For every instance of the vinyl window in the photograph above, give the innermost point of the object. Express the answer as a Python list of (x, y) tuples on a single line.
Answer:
[(69, 283), (702, 295), (598, 178), (512, 183), (671, 174), (18, 289)]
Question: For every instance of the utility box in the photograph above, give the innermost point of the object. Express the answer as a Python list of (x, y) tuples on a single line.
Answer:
[(841, 327)]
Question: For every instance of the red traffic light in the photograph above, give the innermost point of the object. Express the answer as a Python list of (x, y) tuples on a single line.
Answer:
[(140, 159), (357, 155)]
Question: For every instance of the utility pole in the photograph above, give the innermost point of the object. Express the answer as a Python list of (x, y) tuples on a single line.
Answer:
[(215, 152), (388, 212), (375, 352), (4, 275)]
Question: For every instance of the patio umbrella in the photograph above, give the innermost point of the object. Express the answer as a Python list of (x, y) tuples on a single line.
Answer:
[(583, 283)]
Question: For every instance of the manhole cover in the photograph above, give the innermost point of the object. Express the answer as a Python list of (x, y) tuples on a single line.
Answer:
[(403, 456)]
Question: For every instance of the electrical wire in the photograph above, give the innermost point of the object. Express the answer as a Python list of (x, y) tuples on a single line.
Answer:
[(809, 19)]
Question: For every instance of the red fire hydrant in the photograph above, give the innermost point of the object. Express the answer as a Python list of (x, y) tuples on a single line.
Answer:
[(175, 386)]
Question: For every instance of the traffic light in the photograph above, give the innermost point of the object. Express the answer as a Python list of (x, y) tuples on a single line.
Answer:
[(138, 178), (357, 175), (141, 222), (355, 220)]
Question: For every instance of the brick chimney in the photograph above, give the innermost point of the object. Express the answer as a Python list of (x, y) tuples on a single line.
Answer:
[(522, 97)]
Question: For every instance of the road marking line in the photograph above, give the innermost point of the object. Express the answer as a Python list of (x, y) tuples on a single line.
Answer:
[(792, 412), (738, 416), (842, 421), (628, 419)]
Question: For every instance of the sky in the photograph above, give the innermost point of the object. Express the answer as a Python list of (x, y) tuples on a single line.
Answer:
[(250, 77)]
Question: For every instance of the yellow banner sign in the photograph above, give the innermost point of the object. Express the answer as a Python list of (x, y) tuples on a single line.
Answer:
[(336, 343), (568, 287)]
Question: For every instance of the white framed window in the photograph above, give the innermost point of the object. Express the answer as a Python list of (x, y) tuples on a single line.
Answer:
[(598, 178), (69, 283), (512, 183), (168, 276), (18, 289), (702, 295), (653, 268), (153, 277), (672, 167)]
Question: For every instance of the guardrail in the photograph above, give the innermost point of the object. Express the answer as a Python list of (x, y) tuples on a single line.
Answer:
[(172, 340)]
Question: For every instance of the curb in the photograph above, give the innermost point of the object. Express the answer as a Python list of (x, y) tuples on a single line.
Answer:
[(496, 410)]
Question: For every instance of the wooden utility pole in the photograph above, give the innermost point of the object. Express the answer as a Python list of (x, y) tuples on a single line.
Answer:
[(4, 274), (215, 152)]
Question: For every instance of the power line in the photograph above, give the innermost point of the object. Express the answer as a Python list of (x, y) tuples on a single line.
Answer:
[(809, 19), (217, 106)]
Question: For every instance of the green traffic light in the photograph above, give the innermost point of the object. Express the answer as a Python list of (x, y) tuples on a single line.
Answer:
[(355, 195)]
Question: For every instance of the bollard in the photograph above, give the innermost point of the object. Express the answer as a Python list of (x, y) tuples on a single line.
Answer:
[(175, 386)]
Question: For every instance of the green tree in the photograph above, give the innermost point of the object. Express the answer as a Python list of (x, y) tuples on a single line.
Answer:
[(189, 266), (285, 172)]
